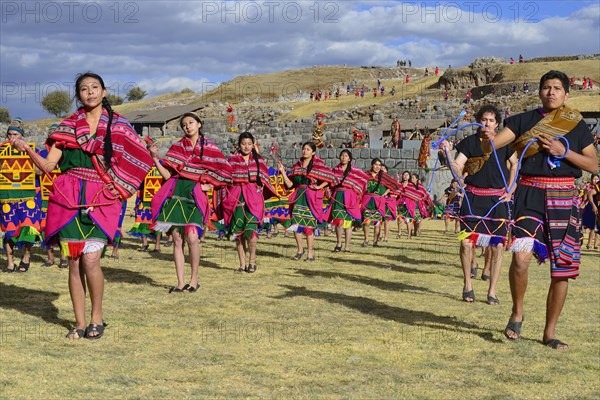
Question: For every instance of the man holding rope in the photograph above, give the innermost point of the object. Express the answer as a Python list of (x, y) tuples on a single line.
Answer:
[(484, 214), (555, 145)]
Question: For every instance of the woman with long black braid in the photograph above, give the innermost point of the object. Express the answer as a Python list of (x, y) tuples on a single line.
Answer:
[(103, 163), (346, 198), (191, 168), (375, 207), (244, 206), (308, 176)]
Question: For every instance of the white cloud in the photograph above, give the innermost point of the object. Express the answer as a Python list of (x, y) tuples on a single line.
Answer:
[(172, 44)]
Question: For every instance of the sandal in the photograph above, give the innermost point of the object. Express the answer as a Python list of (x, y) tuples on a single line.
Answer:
[(298, 255), (168, 243), (365, 243), (97, 329), (251, 268), (9, 270), (144, 248), (310, 259), (175, 289), (242, 269), (515, 327), (469, 296), (556, 344), (337, 249), (485, 277), (23, 266), (48, 264), (79, 332), (492, 300), (63, 264), (190, 288)]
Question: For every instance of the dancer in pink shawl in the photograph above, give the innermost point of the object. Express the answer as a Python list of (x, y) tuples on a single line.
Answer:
[(346, 199), (103, 163), (308, 176), (244, 205), (415, 200), (191, 167)]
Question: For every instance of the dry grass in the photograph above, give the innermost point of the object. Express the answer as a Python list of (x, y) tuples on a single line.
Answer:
[(368, 324)]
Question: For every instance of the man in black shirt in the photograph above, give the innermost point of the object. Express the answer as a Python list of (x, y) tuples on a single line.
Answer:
[(546, 213), (484, 221)]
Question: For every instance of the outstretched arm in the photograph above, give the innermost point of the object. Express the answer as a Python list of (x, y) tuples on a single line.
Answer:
[(42, 165)]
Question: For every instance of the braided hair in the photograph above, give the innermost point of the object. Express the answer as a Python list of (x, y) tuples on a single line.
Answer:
[(108, 149), (200, 134), (255, 155)]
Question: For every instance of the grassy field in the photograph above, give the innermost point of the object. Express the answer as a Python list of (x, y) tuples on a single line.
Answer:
[(363, 325)]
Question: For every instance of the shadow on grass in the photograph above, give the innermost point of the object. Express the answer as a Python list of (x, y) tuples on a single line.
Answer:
[(389, 266), (378, 283), (401, 315), (32, 302), (128, 276)]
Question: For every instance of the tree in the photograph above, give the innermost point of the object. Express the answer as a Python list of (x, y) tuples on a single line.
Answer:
[(4, 115), (136, 94), (114, 100), (57, 103)]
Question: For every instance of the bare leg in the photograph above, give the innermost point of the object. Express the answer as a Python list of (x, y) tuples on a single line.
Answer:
[(239, 245), (193, 244), (338, 235), (487, 263), (90, 263), (495, 256), (26, 253), (10, 249), (157, 241), (518, 276), (179, 258), (348, 237), (466, 255), (376, 233), (557, 293), (298, 237), (77, 289), (252, 248), (366, 232), (310, 239), (409, 229)]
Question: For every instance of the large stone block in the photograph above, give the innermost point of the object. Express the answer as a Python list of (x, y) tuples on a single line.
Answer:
[(365, 153), (384, 154), (411, 164), (395, 153), (406, 154)]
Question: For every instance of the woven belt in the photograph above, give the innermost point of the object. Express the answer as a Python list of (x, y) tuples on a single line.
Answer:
[(546, 182)]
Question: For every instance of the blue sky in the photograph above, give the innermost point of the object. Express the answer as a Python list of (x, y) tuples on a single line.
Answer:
[(166, 46)]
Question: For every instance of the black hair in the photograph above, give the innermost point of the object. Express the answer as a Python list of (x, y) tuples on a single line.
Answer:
[(488, 108), (380, 173), (248, 135), (108, 148), (416, 176), (553, 74), (348, 167), (197, 119), (313, 146)]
